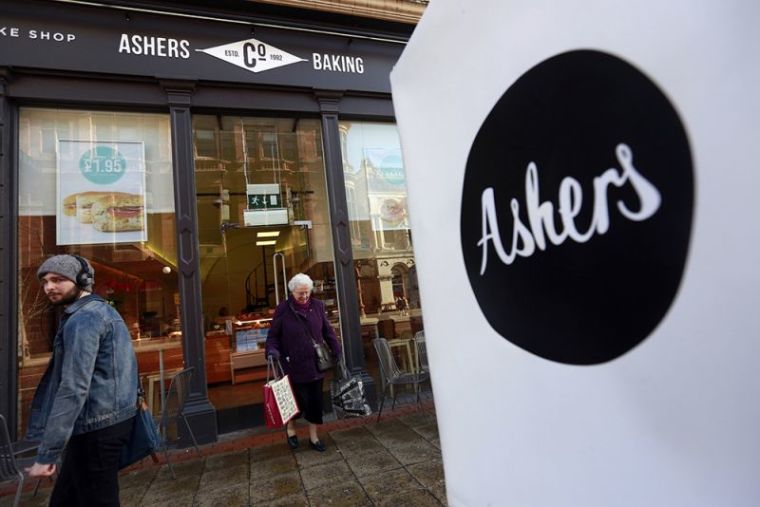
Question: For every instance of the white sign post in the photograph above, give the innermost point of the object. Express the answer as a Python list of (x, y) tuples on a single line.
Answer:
[(582, 183)]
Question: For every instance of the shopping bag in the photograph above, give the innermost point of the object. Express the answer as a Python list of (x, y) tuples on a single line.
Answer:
[(279, 401), (347, 393), (144, 439)]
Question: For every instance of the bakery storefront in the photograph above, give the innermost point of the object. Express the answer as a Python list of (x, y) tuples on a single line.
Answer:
[(199, 160)]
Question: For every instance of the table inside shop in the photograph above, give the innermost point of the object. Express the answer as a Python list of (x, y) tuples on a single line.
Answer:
[(166, 366)]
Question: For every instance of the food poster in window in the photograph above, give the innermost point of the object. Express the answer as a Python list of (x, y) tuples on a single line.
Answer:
[(101, 192), (386, 185)]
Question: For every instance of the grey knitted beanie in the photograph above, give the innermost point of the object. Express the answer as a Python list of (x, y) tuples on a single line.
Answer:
[(69, 267)]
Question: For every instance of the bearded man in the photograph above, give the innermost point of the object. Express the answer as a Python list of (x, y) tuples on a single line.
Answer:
[(86, 400)]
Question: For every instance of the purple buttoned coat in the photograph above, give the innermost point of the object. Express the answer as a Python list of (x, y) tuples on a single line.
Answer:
[(290, 338)]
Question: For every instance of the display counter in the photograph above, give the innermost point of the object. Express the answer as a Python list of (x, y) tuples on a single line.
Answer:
[(235, 349)]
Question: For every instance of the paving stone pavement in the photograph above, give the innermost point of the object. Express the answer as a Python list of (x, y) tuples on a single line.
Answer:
[(396, 462)]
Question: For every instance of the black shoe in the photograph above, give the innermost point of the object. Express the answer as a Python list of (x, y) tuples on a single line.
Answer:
[(293, 442), (317, 446)]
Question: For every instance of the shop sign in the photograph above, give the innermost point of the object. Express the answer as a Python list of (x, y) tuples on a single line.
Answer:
[(100, 40), (252, 55), (100, 192)]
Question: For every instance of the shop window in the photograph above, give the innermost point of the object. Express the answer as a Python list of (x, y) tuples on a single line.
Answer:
[(68, 160), (262, 218), (381, 237)]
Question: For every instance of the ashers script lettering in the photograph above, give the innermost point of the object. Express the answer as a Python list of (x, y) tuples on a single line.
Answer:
[(541, 226)]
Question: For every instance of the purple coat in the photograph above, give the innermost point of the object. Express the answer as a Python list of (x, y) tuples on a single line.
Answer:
[(289, 337)]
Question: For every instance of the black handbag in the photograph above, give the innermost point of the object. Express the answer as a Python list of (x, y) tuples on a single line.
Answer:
[(325, 359), (324, 355), (144, 439)]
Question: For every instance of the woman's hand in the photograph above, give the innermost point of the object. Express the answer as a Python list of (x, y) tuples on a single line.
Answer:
[(40, 470), (274, 354)]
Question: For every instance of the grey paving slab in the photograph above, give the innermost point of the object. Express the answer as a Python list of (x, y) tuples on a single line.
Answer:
[(168, 489), (133, 495), (395, 462), (342, 437), (355, 440), (221, 478), (323, 475), (415, 452), (372, 462), (390, 483), (412, 498), (387, 426), (175, 501), (183, 469), (429, 473), (347, 494), (278, 487), (308, 457), (227, 460), (440, 494), (427, 431), (230, 496), (297, 500), (400, 438), (268, 452), (271, 468), (138, 478), (417, 419)]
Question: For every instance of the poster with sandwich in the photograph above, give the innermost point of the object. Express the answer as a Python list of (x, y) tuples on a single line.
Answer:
[(101, 192), (386, 188)]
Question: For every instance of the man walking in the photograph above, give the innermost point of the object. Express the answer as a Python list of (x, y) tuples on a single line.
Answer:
[(86, 400)]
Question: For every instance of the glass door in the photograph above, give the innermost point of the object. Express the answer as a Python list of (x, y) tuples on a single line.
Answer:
[(262, 218)]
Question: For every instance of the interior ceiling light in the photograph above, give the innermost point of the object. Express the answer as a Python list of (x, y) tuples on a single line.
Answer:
[(266, 243), (267, 234)]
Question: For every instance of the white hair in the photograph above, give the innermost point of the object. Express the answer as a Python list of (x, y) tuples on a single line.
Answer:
[(301, 279)]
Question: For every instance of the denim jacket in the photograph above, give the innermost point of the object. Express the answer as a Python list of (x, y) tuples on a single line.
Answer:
[(91, 380)]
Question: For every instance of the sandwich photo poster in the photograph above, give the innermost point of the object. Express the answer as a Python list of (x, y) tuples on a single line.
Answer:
[(100, 192), (386, 188)]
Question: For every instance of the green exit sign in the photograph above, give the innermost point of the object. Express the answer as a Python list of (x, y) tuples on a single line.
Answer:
[(263, 196)]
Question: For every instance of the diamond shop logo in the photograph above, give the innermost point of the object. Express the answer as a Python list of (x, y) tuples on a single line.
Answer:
[(577, 209), (252, 55)]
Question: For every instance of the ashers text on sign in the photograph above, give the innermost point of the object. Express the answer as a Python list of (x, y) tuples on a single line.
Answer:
[(526, 239), (150, 45)]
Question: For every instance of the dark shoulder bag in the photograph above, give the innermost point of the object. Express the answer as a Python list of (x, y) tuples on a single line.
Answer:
[(324, 354), (144, 439)]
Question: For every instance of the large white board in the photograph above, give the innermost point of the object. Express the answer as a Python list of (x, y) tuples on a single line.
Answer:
[(617, 383)]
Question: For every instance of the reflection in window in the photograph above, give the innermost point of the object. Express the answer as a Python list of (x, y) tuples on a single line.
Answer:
[(89, 161), (381, 237)]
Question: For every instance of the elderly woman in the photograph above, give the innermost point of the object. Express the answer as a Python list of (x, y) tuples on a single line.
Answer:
[(298, 322)]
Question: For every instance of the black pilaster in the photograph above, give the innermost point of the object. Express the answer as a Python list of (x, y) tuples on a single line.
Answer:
[(198, 409), (345, 274), (8, 259)]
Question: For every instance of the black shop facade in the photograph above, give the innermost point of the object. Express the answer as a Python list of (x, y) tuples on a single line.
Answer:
[(253, 146)]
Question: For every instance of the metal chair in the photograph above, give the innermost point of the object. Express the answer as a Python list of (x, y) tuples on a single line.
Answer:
[(11, 467), (421, 352), (392, 375), (172, 413)]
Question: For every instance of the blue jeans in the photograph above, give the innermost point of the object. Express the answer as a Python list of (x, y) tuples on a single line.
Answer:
[(90, 472)]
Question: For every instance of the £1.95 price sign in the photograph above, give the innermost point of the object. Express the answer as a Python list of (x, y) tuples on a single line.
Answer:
[(102, 165)]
